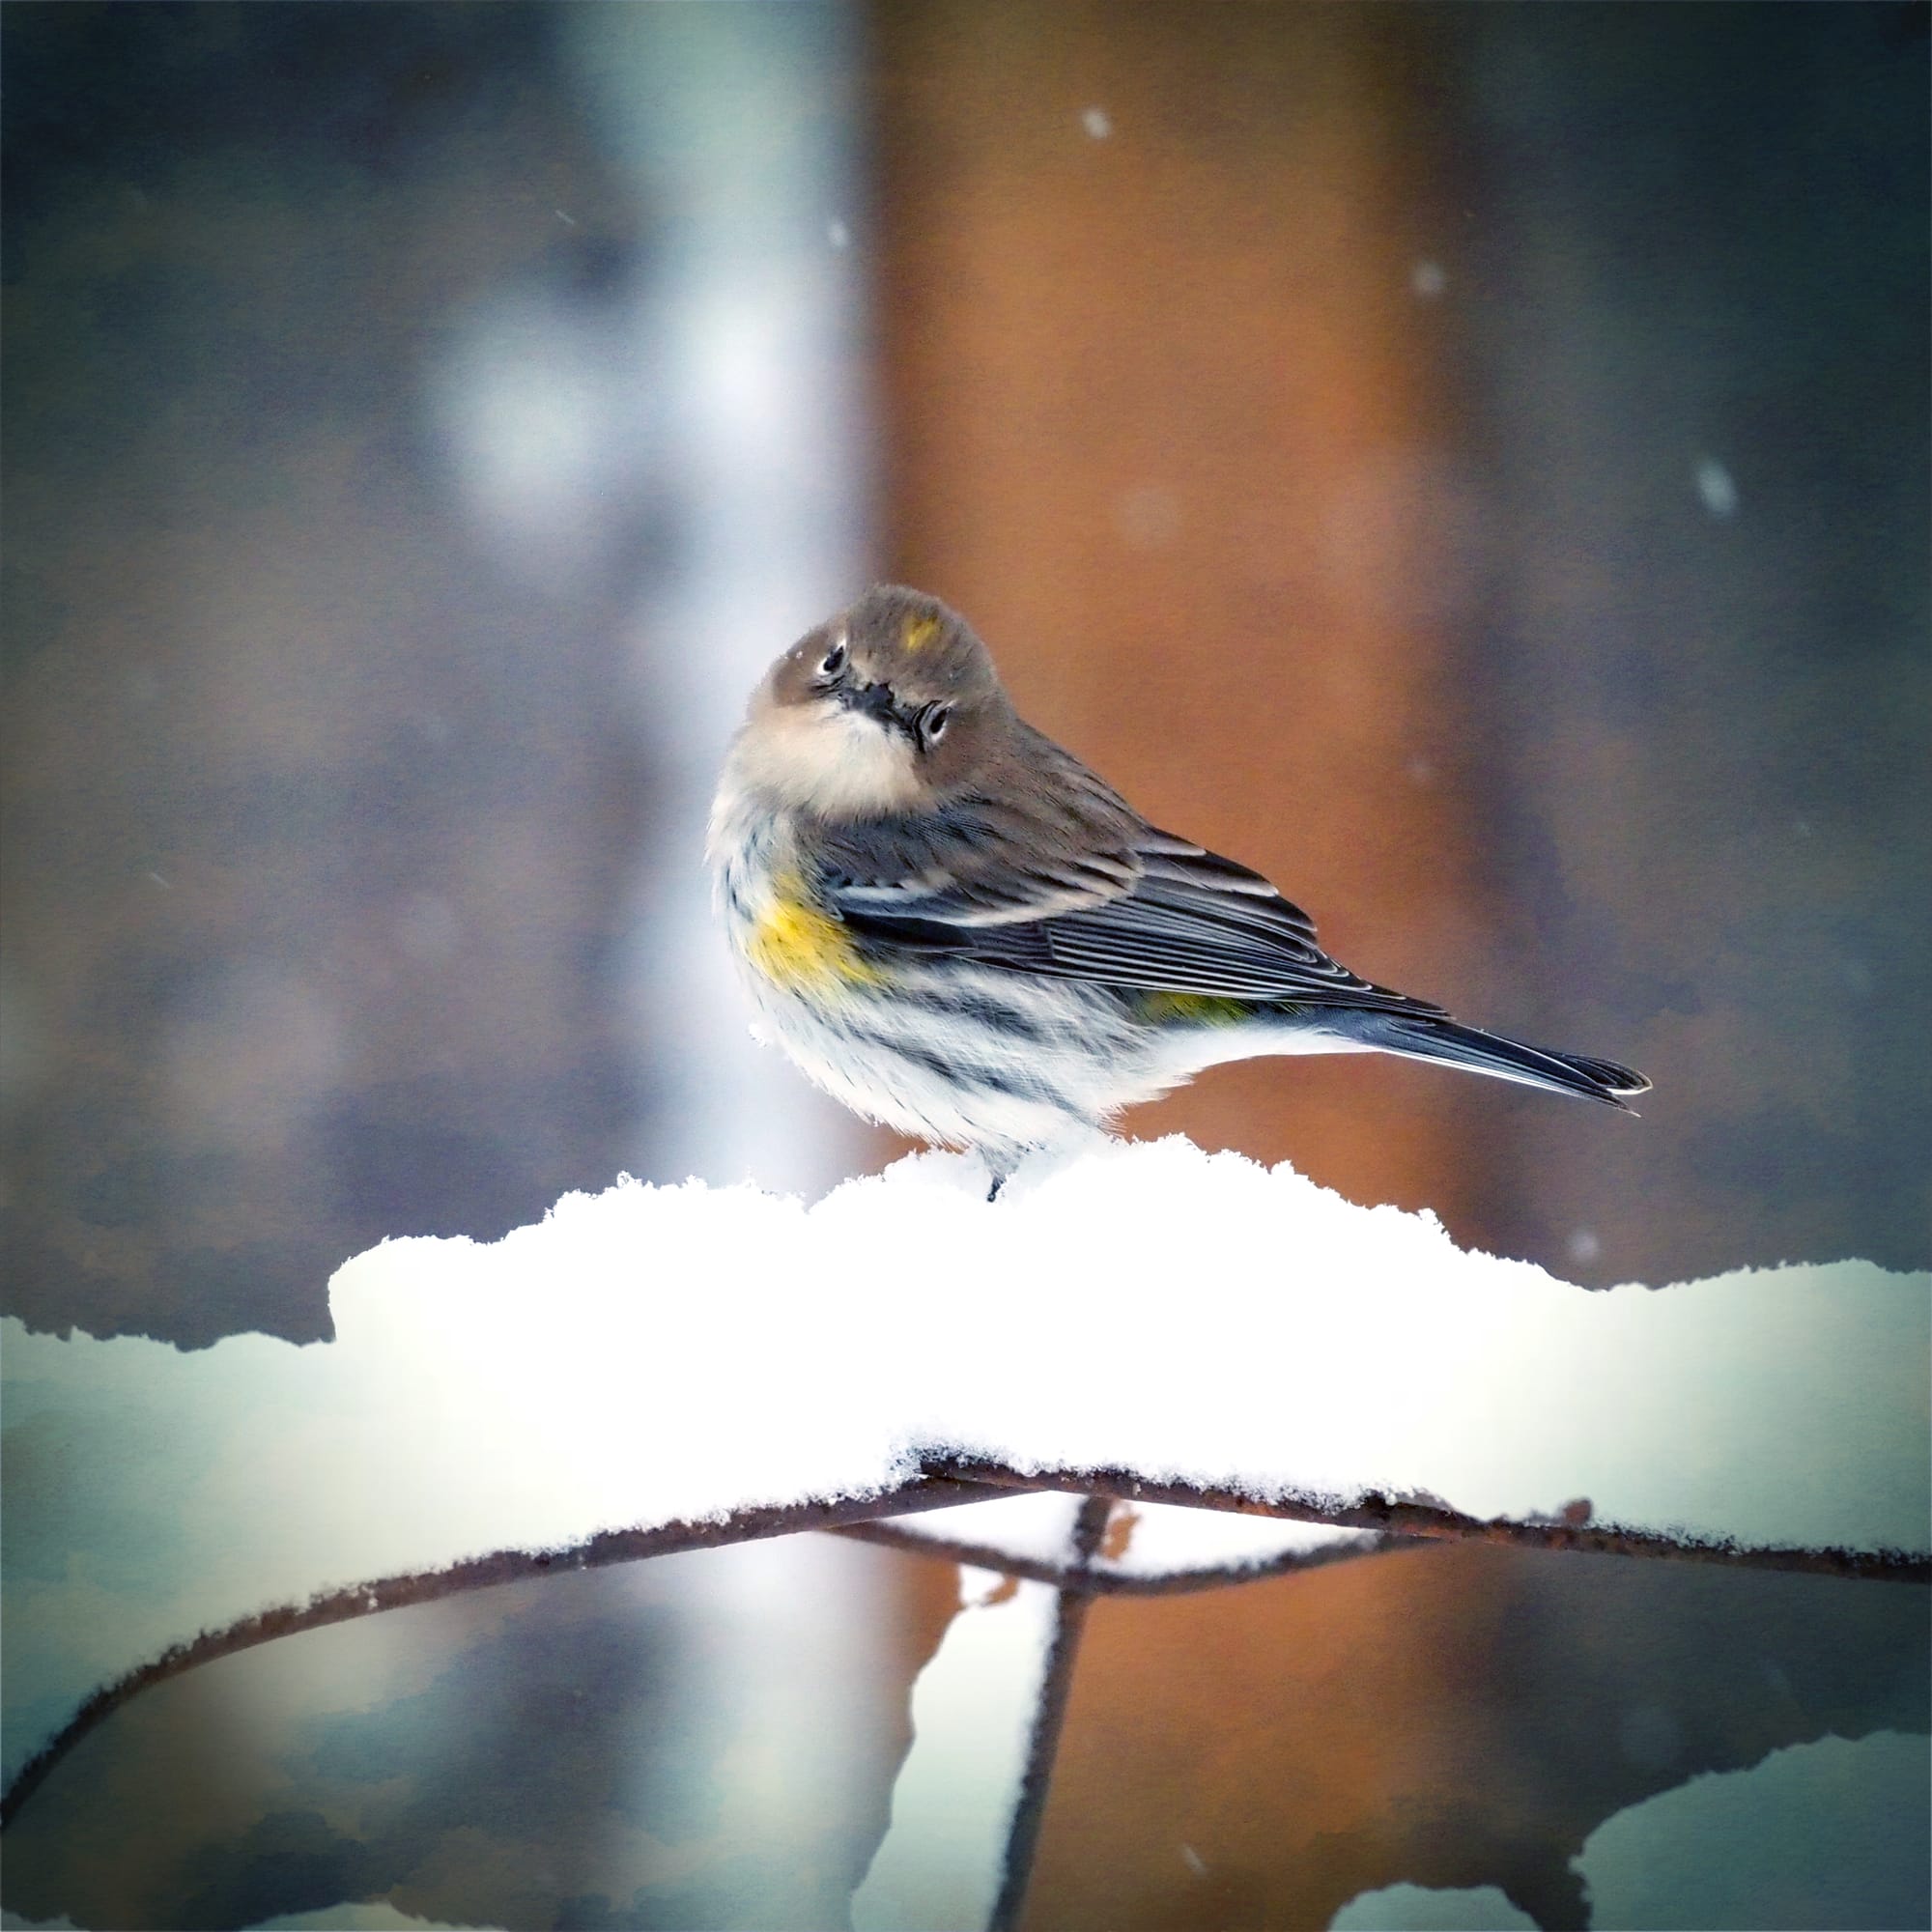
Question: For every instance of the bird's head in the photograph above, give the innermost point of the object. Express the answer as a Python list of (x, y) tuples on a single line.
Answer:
[(892, 704)]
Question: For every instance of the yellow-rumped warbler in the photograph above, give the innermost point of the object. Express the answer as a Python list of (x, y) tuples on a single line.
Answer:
[(956, 928)]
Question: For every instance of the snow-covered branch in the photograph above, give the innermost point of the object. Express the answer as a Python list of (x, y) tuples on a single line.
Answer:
[(659, 1367)]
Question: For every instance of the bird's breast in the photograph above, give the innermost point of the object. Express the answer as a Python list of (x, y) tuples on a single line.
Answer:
[(787, 941)]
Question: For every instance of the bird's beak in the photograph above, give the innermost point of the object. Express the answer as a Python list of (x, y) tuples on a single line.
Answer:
[(875, 702)]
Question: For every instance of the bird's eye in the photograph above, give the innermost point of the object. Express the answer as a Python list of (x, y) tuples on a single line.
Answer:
[(933, 721), (833, 661)]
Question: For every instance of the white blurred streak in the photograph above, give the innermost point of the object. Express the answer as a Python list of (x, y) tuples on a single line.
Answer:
[(719, 385), (782, 1690), (546, 427), (973, 1712), (737, 127)]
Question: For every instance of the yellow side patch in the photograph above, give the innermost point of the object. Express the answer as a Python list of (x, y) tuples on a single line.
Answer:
[(1196, 1009), (797, 946), (919, 632)]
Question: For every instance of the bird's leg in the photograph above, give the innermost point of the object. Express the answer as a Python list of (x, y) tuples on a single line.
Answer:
[(999, 1181)]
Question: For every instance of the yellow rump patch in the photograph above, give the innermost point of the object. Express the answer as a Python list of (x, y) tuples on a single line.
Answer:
[(1199, 1009), (797, 946), (919, 632)]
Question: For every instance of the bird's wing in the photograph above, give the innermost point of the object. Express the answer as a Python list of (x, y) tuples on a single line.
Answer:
[(1076, 886), (980, 863), (1196, 922)]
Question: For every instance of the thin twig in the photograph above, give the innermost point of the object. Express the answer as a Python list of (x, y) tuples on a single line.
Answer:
[(1050, 1716), (1403, 1516), (1108, 1583), (482, 1572), (946, 1482)]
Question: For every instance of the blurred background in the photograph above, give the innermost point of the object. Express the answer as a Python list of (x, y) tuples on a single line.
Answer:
[(1469, 462)]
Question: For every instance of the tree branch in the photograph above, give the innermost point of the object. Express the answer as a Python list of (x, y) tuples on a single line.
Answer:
[(944, 1482)]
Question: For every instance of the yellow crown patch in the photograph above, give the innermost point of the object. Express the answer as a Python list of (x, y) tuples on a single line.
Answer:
[(919, 632)]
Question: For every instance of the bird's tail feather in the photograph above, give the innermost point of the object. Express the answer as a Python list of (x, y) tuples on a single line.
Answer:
[(1421, 1038)]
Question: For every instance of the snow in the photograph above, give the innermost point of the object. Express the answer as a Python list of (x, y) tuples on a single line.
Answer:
[(1821, 1835), (1422, 1908), (1165, 1540), (1036, 1528), (940, 1864), (974, 1704), (378, 1916), (1716, 488), (1827, 1834), (654, 1354), (1154, 1539)]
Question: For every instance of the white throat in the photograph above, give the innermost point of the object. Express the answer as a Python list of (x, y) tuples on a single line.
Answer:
[(823, 758)]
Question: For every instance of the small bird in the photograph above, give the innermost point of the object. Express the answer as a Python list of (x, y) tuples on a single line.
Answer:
[(953, 926)]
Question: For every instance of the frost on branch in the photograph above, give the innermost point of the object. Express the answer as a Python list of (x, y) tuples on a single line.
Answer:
[(1192, 1326)]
